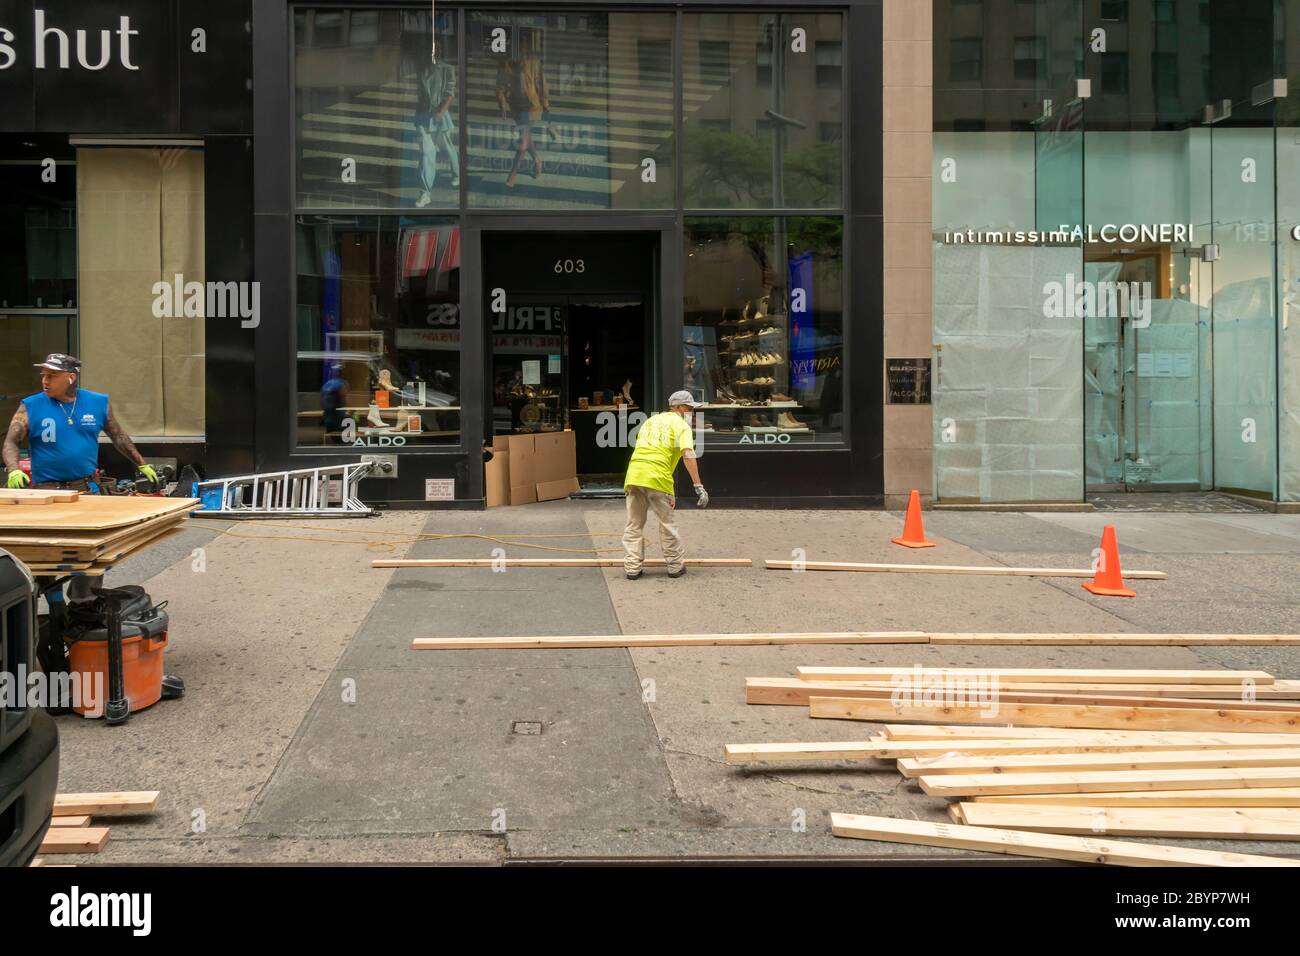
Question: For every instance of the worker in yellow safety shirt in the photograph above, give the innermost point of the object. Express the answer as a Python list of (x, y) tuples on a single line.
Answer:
[(662, 441)]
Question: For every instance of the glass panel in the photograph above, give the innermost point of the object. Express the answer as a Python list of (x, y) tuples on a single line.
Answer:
[(26, 339), (376, 112), (762, 94), (38, 235), (1245, 381), (570, 111), (1008, 401), (763, 344), (378, 331)]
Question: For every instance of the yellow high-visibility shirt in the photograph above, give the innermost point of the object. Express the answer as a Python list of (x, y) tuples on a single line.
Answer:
[(659, 445)]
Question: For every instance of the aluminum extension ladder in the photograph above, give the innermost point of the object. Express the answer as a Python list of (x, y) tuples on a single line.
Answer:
[(277, 494)]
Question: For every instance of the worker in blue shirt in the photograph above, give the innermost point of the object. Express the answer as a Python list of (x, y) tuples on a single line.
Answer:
[(61, 425)]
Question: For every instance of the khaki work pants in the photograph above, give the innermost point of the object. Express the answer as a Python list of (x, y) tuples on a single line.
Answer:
[(639, 502)]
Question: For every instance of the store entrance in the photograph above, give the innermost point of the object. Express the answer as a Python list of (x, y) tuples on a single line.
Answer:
[(572, 341)]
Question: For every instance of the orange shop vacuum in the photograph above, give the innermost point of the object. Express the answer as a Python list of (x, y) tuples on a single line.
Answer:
[(115, 652)]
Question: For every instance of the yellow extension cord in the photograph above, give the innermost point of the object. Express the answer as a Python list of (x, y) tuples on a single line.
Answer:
[(412, 537)]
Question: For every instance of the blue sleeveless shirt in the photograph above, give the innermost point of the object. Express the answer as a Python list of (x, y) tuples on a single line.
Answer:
[(63, 452)]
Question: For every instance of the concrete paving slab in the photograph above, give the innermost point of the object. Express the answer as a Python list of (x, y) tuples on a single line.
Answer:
[(254, 636), (125, 849), (1187, 533)]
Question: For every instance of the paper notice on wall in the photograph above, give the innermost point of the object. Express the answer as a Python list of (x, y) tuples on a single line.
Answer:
[(532, 372), (553, 365), (440, 489), (1146, 365), (1183, 365), (1164, 364)]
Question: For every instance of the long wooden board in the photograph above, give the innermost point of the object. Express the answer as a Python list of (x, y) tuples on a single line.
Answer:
[(93, 513), (1103, 640), (1045, 845), (1278, 690), (663, 640), (74, 840), (791, 691), (1064, 715), (881, 748), (107, 549), (772, 565), (550, 562), (1100, 781), (1130, 760), (1019, 675), (1236, 797), (112, 804), (1229, 823), (958, 732)]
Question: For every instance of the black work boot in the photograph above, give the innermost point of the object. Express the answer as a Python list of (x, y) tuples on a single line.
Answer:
[(678, 573)]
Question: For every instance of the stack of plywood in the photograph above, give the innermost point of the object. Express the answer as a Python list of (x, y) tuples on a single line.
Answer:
[(1053, 762), (56, 532), (73, 828)]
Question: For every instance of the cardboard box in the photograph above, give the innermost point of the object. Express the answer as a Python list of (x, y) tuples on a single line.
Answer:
[(556, 457), (497, 478), (554, 490), (523, 479)]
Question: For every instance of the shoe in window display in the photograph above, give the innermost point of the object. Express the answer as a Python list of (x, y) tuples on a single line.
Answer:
[(781, 397), (787, 420), (745, 312)]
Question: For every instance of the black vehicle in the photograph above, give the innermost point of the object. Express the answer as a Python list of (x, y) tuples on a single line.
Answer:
[(29, 741)]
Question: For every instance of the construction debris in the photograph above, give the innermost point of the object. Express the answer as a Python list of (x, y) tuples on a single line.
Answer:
[(71, 830)]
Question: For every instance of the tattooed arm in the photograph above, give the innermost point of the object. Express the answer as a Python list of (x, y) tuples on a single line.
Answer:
[(16, 437), (121, 440)]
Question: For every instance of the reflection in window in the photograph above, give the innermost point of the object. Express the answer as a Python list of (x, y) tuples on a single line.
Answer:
[(377, 117), (964, 59), (763, 328), (569, 111), (378, 331), (748, 148)]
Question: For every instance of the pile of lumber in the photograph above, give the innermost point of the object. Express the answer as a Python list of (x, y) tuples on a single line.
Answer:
[(85, 533), (1054, 762), (75, 827)]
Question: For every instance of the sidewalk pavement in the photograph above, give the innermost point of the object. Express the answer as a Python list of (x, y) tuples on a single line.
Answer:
[(310, 731)]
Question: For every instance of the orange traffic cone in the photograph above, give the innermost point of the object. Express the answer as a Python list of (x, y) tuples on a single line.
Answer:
[(1108, 579), (913, 529)]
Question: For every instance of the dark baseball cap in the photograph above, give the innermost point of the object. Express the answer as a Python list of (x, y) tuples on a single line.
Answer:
[(58, 362)]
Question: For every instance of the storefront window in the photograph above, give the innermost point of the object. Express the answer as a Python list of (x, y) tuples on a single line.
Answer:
[(378, 331), (377, 109), (763, 328), (763, 94), (570, 110)]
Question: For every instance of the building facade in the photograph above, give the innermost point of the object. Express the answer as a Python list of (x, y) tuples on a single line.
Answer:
[(1001, 251)]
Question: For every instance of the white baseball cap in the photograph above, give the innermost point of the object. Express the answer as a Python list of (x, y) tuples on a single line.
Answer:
[(683, 397)]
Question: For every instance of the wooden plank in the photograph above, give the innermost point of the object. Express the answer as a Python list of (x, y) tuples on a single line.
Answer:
[(772, 565), (76, 821), (1228, 823), (960, 732), (881, 748), (42, 494), (93, 513), (1100, 781), (74, 840), (1129, 760), (1018, 675), (665, 640), (792, 691), (112, 804), (18, 497), (1044, 845), (550, 562), (1101, 640), (1278, 690), (1063, 715), (111, 548), (1236, 797)]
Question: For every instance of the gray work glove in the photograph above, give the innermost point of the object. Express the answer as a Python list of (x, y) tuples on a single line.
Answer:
[(703, 497)]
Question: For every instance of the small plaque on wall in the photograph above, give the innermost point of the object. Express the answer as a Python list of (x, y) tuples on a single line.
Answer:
[(908, 381)]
